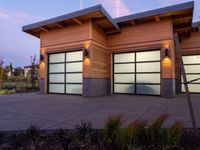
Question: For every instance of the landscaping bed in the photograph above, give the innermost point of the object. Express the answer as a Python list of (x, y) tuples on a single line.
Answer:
[(115, 136)]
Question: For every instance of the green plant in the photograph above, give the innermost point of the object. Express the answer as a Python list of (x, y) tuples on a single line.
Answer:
[(174, 135), (84, 129), (113, 126), (155, 132), (128, 138), (32, 133), (11, 91)]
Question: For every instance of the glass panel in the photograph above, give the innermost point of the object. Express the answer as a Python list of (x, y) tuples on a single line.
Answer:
[(195, 88), (124, 88), (148, 78), (195, 59), (55, 58), (74, 67), (148, 89), (148, 67), (74, 88), (56, 78), (74, 56), (74, 78), (53, 68), (148, 56), (126, 57), (124, 78), (192, 68), (56, 88), (192, 77), (124, 68)]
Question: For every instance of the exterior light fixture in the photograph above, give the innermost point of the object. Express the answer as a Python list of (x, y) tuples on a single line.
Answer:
[(167, 53), (86, 53), (41, 58)]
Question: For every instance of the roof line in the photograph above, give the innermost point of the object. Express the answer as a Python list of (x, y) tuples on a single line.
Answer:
[(196, 24), (159, 11), (72, 15)]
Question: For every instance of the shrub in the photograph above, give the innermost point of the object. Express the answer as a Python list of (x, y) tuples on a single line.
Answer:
[(174, 135), (32, 133), (155, 132), (128, 137), (84, 129), (113, 126), (11, 91)]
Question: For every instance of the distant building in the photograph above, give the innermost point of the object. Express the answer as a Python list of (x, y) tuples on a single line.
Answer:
[(27, 71)]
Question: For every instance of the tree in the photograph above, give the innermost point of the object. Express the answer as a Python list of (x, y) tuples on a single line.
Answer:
[(18, 71), (1, 73), (33, 73)]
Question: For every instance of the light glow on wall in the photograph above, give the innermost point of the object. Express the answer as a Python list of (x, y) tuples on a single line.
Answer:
[(167, 62), (87, 61)]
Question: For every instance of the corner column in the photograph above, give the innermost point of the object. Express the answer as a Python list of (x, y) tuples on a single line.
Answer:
[(168, 71)]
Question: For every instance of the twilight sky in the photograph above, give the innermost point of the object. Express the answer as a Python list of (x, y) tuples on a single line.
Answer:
[(17, 47)]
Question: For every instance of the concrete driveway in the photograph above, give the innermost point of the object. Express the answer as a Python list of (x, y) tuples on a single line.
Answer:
[(18, 111)]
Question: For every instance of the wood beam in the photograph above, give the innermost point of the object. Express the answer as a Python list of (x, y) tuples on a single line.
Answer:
[(182, 29), (111, 31), (44, 29), (60, 25), (77, 21), (157, 19), (132, 22)]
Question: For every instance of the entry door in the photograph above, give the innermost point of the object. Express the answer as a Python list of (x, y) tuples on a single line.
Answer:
[(65, 73), (192, 69), (137, 73)]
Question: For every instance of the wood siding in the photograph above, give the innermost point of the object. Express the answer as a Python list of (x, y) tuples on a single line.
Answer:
[(140, 35), (69, 34), (99, 56), (191, 45)]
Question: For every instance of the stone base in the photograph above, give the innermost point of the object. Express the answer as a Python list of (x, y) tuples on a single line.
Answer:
[(96, 87), (168, 88), (178, 86), (42, 86)]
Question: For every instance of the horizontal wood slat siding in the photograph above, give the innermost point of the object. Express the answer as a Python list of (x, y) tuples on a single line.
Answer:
[(99, 59), (98, 35), (191, 45), (142, 33), (66, 35)]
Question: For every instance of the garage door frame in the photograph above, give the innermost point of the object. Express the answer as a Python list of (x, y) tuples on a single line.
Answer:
[(135, 73), (181, 87), (65, 62)]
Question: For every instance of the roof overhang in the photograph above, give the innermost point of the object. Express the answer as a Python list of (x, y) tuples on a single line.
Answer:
[(196, 24), (181, 15), (161, 12), (77, 17)]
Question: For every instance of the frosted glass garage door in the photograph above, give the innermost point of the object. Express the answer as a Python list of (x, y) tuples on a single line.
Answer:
[(137, 73), (192, 69), (65, 73)]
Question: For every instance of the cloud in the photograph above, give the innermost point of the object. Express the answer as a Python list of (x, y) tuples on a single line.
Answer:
[(4, 15), (115, 7)]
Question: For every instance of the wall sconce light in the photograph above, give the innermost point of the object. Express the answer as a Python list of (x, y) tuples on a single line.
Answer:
[(167, 53), (86, 53), (41, 58)]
